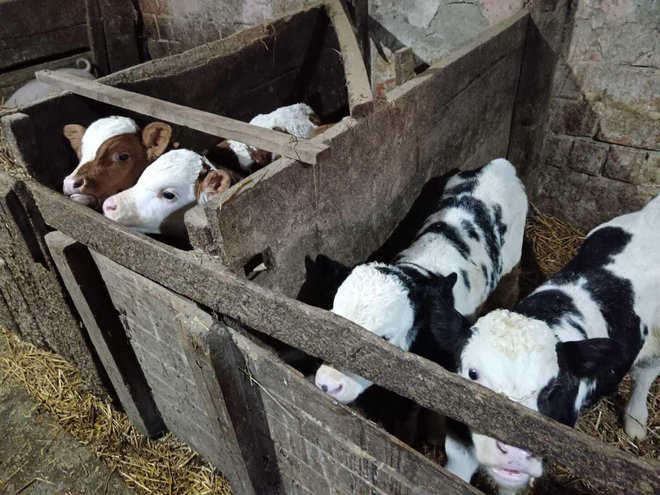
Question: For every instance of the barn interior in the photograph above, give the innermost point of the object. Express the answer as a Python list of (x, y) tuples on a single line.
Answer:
[(579, 122)]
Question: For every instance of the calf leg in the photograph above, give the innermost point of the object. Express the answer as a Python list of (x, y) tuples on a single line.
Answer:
[(637, 413)]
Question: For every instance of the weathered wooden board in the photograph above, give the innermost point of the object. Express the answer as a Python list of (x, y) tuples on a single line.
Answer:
[(357, 77), (287, 60), (90, 296), (267, 427), (455, 115), (33, 298), (217, 125), (40, 29), (317, 332)]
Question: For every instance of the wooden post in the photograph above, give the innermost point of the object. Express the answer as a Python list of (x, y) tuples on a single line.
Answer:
[(362, 25), (360, 97), (283, 144), (404, 65), (96, 35), (87, 289), (232, 404)]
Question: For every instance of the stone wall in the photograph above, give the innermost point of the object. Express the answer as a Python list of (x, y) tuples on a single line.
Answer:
[(601, 150)]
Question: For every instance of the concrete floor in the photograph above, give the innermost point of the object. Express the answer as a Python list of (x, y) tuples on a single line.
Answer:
[(39, 457)]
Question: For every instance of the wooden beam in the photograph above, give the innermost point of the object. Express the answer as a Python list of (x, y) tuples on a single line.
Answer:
[(362, 26), (360, 96), (347, 346), (283, 144), (96, 35), (88, 291), (404, 65)]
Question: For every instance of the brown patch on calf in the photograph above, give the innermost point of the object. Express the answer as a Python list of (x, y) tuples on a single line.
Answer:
[(314, 119), (212, 182), (118, 164), (261, 157)]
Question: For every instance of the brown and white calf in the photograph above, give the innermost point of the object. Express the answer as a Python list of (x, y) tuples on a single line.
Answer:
[(570, 343), (112, 154), (166, 190)]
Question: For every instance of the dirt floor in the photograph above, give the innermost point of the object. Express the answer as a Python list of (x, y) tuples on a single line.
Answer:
[(37, 456)]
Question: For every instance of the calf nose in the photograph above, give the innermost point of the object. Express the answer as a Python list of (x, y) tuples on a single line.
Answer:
[(72, 185), (109, 205), (514, 455), (329, 385)]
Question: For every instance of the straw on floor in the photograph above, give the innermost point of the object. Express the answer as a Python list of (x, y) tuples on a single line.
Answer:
[(166, 466)]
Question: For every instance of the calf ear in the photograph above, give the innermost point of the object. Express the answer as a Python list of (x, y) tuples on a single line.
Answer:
[(331, 269), (588, 357), (74, 133), (213, 183), (449, 328), (156, 137)]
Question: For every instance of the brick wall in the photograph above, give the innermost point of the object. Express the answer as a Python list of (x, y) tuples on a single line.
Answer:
[(600, 155)]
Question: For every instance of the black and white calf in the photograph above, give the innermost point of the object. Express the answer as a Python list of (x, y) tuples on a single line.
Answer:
[(455, 262), (571, 342)]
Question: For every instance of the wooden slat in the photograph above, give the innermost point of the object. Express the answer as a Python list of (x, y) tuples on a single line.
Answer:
[(276, 142), (348, 346), (362, 26), (360, 96), (195, 333), (89, 294), (404, 65)]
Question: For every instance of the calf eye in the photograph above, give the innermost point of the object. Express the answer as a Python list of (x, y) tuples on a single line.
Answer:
[(169, 195), (385, 338), (122, 157), (472, 373)]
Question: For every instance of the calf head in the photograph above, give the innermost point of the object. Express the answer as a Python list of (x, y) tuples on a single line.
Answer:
[(165, 191), (112, 153), (394, 304), (520, 358)]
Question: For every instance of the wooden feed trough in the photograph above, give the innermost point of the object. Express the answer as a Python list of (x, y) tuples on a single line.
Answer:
[(182, 334)]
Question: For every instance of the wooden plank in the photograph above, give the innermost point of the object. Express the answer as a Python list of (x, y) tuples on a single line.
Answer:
[(96, 35), (24, 49), (404, 65), (38, 16), (277, 142), (88, 291), (360, 97), (204, 344), (324, 422), (119, 19), (318, 333), (362, 26)]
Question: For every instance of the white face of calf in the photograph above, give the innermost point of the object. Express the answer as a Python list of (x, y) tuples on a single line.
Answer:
[(166, 189), (515, 356), (378, 302)]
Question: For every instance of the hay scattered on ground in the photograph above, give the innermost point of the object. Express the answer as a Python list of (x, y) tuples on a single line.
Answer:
[(166, 466), (553, 241), (7, 163)]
